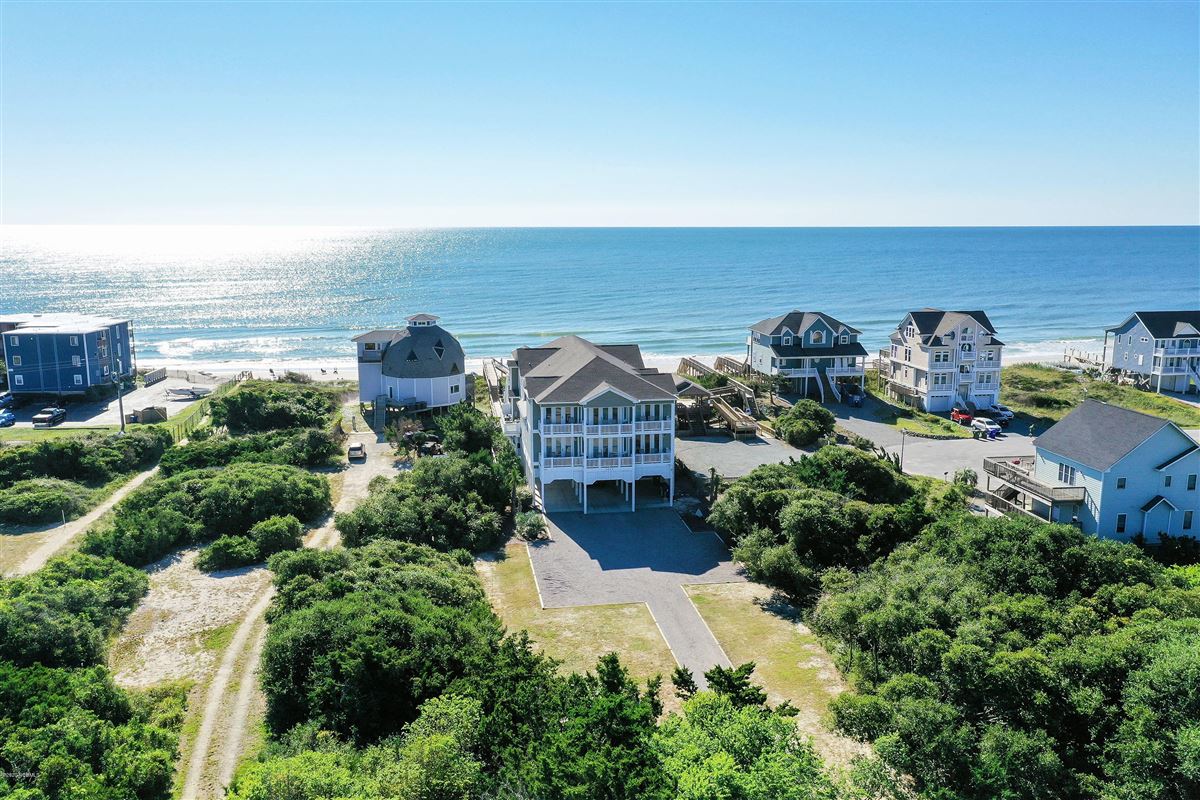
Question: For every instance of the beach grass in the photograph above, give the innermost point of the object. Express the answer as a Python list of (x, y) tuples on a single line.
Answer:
[(752, 623), (1046, 394)]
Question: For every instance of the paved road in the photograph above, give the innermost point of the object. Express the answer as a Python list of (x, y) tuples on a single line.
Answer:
[(643, 557), (62, 535), (81, 413)]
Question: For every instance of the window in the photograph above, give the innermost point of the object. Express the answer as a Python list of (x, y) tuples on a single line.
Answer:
[(14, 341), (787, 340), (1192, 482), (16, 361), (845, 339), (895, 350), (106, 371), (1166, 481), (1120, 483), (371, 346), (1121, 522), (74, 361), (818, 337), (1187, 520), (909, 332), (74, 341), (1066, 474), (1141, 359), (454, 389), (908, 354), (79, 380), (118, 348), (1145, 339)]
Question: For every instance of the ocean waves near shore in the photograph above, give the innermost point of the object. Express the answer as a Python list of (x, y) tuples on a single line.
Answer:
[(257, 294)]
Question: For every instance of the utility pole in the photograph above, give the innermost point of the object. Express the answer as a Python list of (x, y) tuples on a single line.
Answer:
[(120, 397), (903, 439)]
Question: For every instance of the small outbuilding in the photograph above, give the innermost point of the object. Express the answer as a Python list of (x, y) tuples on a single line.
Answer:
[(421, 364)]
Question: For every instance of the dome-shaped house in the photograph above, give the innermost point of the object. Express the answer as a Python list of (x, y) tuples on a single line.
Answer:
[(421, 363)]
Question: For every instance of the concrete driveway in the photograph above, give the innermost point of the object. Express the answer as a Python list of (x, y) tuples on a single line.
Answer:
[(643, 557), (81, 413)]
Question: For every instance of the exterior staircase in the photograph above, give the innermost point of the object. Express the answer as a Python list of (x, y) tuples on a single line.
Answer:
[(695, 420), (837, 395), (379, 418)]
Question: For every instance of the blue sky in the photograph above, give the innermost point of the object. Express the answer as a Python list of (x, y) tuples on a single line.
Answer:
[(614, 114)]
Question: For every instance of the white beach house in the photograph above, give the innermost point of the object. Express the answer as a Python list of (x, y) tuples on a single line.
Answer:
[(939, 359), (593, 418), (418, 364)]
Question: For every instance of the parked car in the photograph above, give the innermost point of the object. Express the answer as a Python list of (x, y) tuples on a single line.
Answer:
[(7, 418), (962, 416), (49, 417), (854, 396), (357, 450), (985, 427), (1001, 413), (6, 399)]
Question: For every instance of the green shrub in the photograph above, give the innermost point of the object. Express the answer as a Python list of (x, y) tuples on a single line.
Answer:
[(531, 526), (228, 552), (276, 534), (94, 459), (41, 500), (273, 405), (191, 506), (804, 423), (308, 447)]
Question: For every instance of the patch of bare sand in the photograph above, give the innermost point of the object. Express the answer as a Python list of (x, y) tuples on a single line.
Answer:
[(164, 638)]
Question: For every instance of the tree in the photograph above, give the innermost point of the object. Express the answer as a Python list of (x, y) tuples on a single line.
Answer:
[(734, 683)]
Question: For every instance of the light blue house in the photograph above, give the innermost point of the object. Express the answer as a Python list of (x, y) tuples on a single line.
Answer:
[(1112, 471), (810, 349), (1159, 349), (65, 354)]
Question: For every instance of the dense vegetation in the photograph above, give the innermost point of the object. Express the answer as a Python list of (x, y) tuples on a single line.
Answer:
[(1049, 394), (305, 447), (458, 500), (194, 506), (66, 731), (56, 478), (1000, 658), (274, 405), (804, 423), (388, 676), (837, 507)]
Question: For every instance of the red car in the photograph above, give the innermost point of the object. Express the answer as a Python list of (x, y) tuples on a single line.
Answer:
[(961, 415)]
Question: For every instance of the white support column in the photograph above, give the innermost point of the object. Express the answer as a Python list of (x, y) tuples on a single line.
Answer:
[(585, 498), (671, 488), (633, 495)]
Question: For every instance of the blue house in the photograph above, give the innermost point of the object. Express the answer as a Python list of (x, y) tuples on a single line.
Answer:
[(64, 354), (1112, 471), (1159, 349), (808, 348)]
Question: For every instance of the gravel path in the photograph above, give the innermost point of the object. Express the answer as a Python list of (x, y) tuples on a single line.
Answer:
[(643, 557), (227, 706), (62, 535)]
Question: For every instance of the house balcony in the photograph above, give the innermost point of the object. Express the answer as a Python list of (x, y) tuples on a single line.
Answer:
[(559, 462), (796, 372), (966, 355), (562, 429), (655, 426), (608, 429), (653, 458), (609, 462), (1177, 351), (1017, 471)]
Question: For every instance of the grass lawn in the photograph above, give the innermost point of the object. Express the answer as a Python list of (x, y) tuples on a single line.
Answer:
[(22, 435), (576, 636), (790, 663), (1046, 395), (916, 421)]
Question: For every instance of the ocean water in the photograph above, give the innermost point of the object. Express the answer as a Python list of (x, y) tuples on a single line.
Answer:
[(239, 295)]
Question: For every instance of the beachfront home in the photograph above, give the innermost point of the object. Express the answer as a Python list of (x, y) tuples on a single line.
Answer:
[(808, 348), (593, 419), (1112, 471), (939, 359), (65, 353), (1160, 349), (420, 365)]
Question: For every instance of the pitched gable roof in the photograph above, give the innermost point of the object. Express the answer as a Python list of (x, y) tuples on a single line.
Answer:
[(1165, 324), (1099, 435), (798, 321), (933, 321), (570, 369)]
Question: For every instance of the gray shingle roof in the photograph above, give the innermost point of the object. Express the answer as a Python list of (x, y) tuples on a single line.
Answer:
[(423, 352), (1166, 324), (570, 368), (1098, 434), (797, 321), (930, 321)]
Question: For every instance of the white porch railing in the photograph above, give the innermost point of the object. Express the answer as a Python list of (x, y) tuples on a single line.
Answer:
[(604, 429), (1185, 352), (654, 425), (653, 458), (610, 462), (562, 428), (556, 462)]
